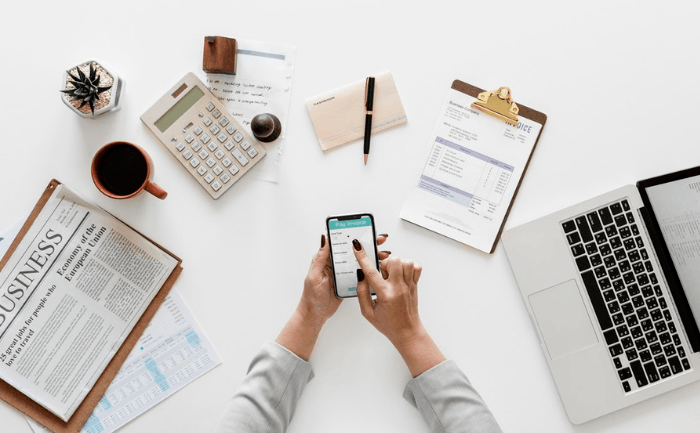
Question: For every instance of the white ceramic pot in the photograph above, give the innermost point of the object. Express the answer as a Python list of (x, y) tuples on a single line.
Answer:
[(109, 101)]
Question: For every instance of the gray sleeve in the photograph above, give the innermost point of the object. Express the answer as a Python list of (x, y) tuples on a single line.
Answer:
[(448, 402), (267, 398)]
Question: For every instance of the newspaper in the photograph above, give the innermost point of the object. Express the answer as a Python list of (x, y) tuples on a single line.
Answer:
[(69, 296)]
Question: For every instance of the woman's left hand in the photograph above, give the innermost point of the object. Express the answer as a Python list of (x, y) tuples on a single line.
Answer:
[(318, 301)]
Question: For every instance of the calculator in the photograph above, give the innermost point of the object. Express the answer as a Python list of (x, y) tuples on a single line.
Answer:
[(200, 133)]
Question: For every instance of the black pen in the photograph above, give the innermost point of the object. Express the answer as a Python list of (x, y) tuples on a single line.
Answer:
[(369, 103)]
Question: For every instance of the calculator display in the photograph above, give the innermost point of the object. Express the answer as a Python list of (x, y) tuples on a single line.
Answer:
[(179, 109)]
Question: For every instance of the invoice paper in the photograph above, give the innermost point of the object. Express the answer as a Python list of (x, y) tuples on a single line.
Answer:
[(172, 352), (472, 169)]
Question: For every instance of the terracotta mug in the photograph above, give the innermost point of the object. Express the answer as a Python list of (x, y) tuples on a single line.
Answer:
[(121, 170)]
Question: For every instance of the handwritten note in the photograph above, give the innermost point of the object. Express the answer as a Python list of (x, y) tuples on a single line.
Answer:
[(241, 98), (262, 84)]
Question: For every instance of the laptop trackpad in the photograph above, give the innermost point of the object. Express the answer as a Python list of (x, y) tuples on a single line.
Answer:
[(563, 319)]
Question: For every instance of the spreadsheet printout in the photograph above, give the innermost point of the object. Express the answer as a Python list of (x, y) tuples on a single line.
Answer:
[(172, 352)]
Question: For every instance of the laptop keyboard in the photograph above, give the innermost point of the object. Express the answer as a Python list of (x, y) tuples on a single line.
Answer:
[(624, 290)]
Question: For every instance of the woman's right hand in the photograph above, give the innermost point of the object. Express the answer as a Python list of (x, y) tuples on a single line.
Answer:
[(394, 313)]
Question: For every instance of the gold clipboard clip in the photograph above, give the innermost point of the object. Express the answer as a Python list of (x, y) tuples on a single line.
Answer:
[(499, 104)]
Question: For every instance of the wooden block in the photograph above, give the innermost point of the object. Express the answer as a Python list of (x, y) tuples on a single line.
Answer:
[(219, 55)]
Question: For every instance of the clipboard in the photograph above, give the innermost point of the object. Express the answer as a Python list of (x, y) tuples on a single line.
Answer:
[(423, 212), (528, 113), (26, 405)]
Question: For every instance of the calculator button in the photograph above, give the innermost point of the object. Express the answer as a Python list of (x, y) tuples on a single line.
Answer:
[(197, 130), (217, 170), (238, 137), (229, 145), (201, 170), (189, 138), (203, 154), (221, 137), (214, 129), (196, 146), (209, 106), (252, 152), (219, 154), (245, 145), (223, 121), (207, 121), (230, 129), (187, 154), (180, 146), (240, 157), (225, 178), (205, 139), (233, 170), (208, 178), (216, 114), (211, 162), (212, 146), (227, 162), (194, 162), (216, 186)]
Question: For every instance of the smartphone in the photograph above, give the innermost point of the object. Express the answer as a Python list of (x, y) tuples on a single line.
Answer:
[(342, 229)]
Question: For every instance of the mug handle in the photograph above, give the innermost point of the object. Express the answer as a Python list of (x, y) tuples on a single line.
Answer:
[(156, 190)]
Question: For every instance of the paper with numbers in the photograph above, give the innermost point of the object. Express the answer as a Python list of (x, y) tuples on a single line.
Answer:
[(172, 353)]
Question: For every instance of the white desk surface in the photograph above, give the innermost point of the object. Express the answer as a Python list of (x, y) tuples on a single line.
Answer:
[(617, 80)]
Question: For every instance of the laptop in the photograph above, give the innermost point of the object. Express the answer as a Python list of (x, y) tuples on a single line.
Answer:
[(612, 285)]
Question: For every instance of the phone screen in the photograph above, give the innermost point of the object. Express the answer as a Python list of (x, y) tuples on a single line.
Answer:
[(341, 231)]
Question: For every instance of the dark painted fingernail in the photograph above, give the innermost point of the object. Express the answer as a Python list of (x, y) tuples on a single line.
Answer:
[(386, 252), (323, 241), (357, 245), (385, 235), (360, 276)]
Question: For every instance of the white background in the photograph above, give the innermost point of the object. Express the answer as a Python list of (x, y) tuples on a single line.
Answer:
[(618, 81)]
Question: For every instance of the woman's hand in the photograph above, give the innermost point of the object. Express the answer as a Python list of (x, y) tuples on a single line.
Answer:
[(318, 303), (395, 311)]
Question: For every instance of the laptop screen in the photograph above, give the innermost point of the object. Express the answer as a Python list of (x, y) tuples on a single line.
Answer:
[(675, 204), (677, 208)]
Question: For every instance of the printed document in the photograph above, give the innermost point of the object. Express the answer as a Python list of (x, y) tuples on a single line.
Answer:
[(69, 296), (472, 169), (172, 352), (262, 84)]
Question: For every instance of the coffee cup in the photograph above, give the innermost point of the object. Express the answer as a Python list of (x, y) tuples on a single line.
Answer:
[(121, 170)]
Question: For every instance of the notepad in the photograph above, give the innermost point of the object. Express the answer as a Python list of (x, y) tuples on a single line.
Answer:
[(339, 115)]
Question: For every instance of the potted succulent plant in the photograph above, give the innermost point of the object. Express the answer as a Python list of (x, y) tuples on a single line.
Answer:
[(92, 89)]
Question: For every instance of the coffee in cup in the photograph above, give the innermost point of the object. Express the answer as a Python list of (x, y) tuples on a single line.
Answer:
[(122, 170)]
